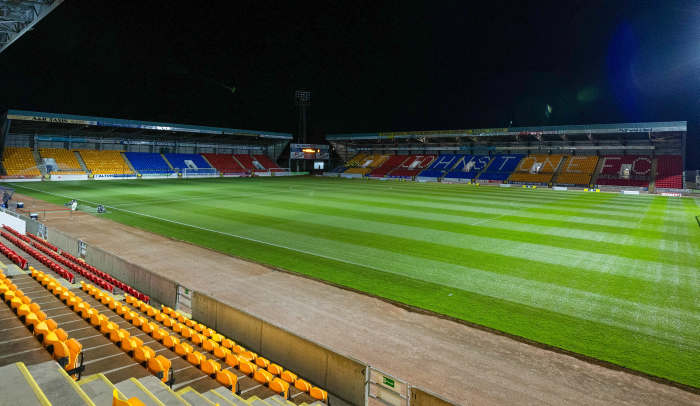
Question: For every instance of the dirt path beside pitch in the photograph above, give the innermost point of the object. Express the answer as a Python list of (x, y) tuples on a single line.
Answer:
[(461, 363)]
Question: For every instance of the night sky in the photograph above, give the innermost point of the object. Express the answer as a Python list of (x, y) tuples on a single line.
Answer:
[(370, 66)]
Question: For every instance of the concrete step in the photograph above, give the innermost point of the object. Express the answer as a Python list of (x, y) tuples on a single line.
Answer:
[(232, 397), (99, 389), (129, 163), (279, 400), (160, 390), (216, 398), (256, 401), (195, 398), (81, 162), (132, 388), (18, 387), (39, 162), (168, 162), (59, 388)]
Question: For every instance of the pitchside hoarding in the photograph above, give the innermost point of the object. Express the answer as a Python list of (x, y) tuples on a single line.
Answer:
[(310, 151)]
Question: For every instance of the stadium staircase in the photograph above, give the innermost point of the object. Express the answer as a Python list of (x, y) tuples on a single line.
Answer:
[(560, 169), (39, 162), (125, 347), (129, 163), (207, 161), (652, 176), (81, 162), (47, 383), (598, 170), (169, 164)]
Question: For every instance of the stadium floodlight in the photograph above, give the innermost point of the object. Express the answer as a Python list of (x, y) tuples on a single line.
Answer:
[(302, 99)]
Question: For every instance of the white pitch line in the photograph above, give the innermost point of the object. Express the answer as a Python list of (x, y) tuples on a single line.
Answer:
[(228, 234), (513, 211), (645, 213), (216, 196)]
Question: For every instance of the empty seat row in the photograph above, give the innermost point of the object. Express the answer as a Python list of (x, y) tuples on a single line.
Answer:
[(65, 160), (669, 172), (109, 162), (225, 163), (67, 352), (224, 350), (148, 163), (19, 161), (38, 255)]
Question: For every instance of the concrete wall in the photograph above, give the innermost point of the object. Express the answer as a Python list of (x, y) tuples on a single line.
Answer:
[(342, 376), (65, 242), (422, 397), (159, 288), (32, 225), (14, 222)]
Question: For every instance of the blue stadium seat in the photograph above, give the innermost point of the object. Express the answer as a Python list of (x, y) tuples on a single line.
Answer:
[(444, 162), (178, 160), (504, 163), (148, 163), (478, 163), (428, 173), (494, 176), (460, 175)]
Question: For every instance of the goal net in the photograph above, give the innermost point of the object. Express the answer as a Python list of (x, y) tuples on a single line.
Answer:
[(199, 173)]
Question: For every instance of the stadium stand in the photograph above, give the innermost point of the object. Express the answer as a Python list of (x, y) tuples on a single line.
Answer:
[(127, 350), (354, 161), (577, 170), (367, 163), (268, 163), (178, 160), (501, 167), (537, 168), (669, 172), (387, 166), (412, 166), (19, 162), (105, 162), (225, 163), (246, 161), (148, 163), (468, 167), (65, 160), (625, 170)]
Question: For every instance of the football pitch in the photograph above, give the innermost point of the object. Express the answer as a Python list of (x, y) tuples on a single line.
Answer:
[(613, 277)]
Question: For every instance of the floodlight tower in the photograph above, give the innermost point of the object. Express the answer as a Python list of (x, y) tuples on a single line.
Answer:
[(302, 99)]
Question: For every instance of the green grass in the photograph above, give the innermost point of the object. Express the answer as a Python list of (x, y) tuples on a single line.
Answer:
[(614, 277)]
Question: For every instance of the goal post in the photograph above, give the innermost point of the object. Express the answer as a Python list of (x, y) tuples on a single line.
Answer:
[(199, 173)]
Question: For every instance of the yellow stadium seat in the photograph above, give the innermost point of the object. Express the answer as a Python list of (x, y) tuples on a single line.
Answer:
[(246, 367), (142, 354), (274, 369), (281, 387), (195, 358), (319, 394), (288, 376), (302, 385), (262, 362), (182, 349), (263, 377), (227, 378), (170, 341), (210, 367)]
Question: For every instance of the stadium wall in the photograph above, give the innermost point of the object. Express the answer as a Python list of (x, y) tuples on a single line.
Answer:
[(423, 397), (158, 288), (340, 375)]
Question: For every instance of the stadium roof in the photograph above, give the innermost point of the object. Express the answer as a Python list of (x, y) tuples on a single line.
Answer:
[(524, 133), (19, 16), (29, 122)]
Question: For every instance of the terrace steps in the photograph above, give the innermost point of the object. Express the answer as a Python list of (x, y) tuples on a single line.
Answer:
[(129, 163), (560, 168), (598, 170), (652, 175), (81, 162), (169, 164), (39, 162)]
